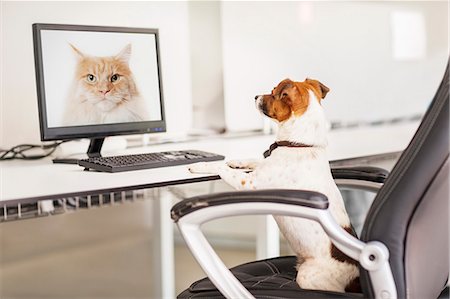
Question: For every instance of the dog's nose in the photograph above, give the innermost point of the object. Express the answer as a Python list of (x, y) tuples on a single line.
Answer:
[(256, 97)]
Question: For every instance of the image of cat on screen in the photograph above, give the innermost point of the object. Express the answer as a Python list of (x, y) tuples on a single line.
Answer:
[(103, 90)]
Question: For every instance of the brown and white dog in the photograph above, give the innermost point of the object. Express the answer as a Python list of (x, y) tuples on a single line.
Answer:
[(298, 160)]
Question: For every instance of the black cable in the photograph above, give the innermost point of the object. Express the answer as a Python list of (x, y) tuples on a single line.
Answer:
[(19, 151)]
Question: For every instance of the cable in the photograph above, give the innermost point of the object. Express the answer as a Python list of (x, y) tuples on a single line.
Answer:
[(19, 151)]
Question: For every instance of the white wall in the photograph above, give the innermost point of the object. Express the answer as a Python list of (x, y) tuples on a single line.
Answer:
[(348, 46), (19, 114), (216, 56), (206, 65)]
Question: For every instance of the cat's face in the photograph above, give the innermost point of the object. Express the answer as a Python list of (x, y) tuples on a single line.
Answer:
[(104, 82)]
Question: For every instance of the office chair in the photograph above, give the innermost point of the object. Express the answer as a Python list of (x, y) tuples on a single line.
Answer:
[(403, 251)]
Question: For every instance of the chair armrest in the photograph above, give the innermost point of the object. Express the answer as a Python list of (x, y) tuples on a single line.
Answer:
[(190, 214), (365, 173), (360, 177), (291, 197)]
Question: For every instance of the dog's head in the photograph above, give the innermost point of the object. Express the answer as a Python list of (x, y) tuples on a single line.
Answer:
[(290, 98)]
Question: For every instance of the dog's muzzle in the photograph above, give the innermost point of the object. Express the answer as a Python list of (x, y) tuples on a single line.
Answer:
[(260, 104)]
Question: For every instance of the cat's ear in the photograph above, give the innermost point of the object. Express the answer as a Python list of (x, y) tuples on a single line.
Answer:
[(77, 52), (125, 54)]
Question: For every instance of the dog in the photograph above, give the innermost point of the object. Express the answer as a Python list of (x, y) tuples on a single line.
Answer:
[(298, 160)]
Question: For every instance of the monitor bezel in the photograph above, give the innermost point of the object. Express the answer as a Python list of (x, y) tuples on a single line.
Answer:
[(100, 130)]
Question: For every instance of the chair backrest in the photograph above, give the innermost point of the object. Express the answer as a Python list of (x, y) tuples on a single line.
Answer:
[(410, 213)]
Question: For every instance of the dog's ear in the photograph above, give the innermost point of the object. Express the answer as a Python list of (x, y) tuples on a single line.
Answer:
[(323, 89), (319, 86)]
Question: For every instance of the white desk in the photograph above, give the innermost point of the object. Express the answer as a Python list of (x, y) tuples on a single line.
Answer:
[(25, 181), (30, 181)]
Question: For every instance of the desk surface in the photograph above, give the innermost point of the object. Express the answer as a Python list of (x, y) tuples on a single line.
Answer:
[(28, 181)]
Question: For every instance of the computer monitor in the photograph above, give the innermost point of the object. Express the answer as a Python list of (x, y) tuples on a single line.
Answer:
[(96, 81)]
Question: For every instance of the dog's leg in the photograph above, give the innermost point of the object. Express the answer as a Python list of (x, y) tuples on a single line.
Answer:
[(327, 275), (205, 167), (237, 179)]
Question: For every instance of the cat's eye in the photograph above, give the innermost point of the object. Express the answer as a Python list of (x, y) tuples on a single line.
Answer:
[(91, 78), (115, 77)]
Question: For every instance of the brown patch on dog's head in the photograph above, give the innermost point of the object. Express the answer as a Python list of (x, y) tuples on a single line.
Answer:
[(290, 98)]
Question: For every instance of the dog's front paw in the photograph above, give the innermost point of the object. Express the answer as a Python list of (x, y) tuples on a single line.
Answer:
[(237, 164), (203, 167), (242, 164)]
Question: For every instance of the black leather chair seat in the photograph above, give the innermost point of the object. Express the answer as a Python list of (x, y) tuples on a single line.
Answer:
[(271, 278)]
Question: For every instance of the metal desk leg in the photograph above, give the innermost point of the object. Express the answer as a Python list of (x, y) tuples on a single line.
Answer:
[(163, 246), (267, 238)]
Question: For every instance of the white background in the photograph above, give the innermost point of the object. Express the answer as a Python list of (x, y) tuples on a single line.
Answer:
[(59, 62), (223, 53)]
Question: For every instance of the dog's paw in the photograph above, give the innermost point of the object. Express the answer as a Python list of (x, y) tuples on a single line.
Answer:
[(242, 164), (203, 167)]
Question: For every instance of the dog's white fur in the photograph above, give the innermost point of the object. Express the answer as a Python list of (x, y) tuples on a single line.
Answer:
[(305, 168)]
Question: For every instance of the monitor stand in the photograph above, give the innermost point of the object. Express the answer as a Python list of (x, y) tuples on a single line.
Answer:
[(93, 151)]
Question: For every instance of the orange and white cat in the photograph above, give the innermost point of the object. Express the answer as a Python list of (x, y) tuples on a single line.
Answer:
[(104, 91)]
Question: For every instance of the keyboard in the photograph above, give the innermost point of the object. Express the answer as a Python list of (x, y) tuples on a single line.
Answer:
[(145, 161)]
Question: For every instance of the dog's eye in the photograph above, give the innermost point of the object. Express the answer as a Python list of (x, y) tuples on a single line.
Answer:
[(284, 95)]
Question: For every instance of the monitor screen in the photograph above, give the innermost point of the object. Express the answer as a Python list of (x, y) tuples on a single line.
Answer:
[(95, 81)]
